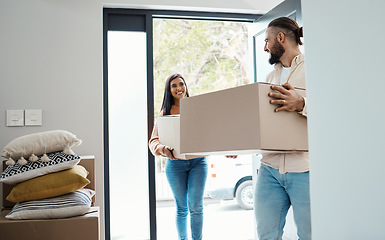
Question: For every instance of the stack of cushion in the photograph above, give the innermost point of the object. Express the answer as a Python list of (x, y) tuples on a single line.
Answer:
[(51, 183)]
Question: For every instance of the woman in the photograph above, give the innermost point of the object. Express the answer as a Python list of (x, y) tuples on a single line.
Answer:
[(187, 178)]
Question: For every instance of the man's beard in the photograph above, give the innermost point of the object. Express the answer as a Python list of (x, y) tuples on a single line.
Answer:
[(276, 52)]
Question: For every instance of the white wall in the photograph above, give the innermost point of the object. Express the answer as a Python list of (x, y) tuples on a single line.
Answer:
[(51, 58), (345, 88)]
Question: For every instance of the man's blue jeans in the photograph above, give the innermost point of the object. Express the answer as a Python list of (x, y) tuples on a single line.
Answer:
[(274, 194), (187, 179)]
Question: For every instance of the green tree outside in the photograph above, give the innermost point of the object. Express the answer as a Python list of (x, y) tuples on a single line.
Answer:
[(210, 55)]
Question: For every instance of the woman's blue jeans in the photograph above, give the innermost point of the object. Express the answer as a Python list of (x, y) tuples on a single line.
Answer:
[(187, 179), (274, 194)]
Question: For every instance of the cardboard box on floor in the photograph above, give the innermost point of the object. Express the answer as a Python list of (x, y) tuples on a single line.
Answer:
[(169, 134), (75, 228), (239, 120)]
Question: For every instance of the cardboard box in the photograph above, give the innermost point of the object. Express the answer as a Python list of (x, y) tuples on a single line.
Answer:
[(169, 134), (239, 120), (75, 228)]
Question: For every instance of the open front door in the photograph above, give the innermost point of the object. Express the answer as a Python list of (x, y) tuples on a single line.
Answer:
[(260, 68)]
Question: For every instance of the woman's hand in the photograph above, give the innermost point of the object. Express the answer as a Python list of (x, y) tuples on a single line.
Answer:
[(168, 152)]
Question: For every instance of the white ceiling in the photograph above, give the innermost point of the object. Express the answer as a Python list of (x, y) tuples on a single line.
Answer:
[(231, 6)]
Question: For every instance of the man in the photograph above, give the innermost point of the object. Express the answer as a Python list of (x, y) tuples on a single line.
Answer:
[(283, 179)]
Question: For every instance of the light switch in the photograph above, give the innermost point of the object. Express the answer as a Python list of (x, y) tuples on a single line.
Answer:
[(33, 117), (15, 118)]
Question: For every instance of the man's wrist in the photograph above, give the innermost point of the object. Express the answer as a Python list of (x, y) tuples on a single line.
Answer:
[(301, 105)]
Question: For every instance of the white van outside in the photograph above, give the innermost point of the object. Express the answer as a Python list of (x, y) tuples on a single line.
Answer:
[(231, 178)]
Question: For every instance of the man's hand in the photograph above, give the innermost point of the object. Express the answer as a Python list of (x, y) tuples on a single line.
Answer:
[(287, 97), (168, 152)]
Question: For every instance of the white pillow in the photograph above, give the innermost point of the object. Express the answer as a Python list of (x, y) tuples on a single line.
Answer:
[(68, 205), (40, 143), (58, 161)]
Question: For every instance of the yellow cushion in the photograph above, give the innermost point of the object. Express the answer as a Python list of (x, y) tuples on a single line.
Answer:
[(50, 185)]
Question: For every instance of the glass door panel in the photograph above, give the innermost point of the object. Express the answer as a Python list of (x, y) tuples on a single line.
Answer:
[(128, 149)]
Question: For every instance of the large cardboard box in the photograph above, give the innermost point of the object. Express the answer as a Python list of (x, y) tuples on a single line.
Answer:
[(169, 134), (75, 228), (84, 227), (239, 120)]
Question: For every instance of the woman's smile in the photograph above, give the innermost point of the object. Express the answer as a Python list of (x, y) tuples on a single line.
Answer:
[(178, 88)]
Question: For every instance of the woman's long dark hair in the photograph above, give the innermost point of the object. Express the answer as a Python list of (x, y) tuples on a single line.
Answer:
[(168, 99)]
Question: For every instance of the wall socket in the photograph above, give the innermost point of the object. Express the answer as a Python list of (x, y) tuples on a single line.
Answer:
[(15, 118), (33, 117), (27, 117)]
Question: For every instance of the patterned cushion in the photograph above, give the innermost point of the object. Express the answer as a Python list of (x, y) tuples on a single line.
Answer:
[(18, 173), (50, 185), (68, 205)]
